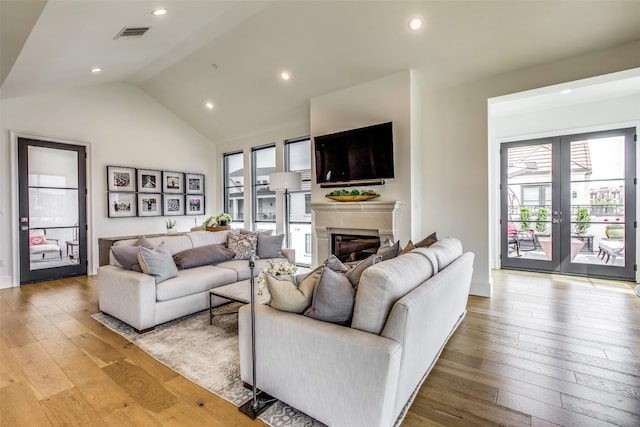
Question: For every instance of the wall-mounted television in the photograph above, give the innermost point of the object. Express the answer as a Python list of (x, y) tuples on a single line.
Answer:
[(355, 155)]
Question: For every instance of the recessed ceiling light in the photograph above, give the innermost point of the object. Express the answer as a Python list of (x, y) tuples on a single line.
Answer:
[(415, 23), (159, 11), (566, 91), (209, 105), (96, 69), (285, 75)]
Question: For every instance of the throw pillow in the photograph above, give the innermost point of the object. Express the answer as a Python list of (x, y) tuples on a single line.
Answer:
[(37, 240), (335, 264), (388, 252), (202, 255), (243, 245), (354, 274), (333, 298), (157, 263), (285, 296), (427, 241), (127, 256), (270, 246), (410, 246)]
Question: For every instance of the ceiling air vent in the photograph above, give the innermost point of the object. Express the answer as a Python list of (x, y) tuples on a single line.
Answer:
[(131, 32)]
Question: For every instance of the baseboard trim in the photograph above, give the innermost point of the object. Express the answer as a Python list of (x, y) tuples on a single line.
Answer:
[(6, 282), (481, 289)]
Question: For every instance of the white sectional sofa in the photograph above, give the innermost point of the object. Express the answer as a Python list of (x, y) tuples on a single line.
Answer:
[(136, 299), (406, 308)]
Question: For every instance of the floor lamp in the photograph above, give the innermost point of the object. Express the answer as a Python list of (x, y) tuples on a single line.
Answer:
[(260, 401), (285, 181)]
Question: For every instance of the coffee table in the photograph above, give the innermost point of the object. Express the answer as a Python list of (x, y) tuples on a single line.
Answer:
[(239, 292)]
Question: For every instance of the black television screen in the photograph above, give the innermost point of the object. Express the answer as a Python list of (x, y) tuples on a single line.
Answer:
[(354, 155)]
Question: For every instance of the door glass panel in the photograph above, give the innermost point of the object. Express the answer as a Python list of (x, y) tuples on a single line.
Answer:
[(53, 207), (529, 202), (597, 201)]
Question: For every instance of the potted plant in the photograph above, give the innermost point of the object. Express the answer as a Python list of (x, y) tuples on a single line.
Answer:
[(583, 220), (541, 225), (525, 218), (223, 219), (171, 225)]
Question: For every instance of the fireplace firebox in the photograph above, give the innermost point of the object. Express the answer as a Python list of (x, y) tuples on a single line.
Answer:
[(350, 247)]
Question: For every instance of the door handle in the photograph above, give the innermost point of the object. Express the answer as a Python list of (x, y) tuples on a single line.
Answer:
[(24, 228)]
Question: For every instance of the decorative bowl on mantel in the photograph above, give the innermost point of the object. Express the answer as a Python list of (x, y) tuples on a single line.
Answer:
[(360, 198)]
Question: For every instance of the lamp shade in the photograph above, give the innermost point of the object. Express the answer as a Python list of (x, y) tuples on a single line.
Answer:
[(283, 181)]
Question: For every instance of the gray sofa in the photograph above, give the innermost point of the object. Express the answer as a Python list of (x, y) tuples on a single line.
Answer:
[(406, 308), (134, 297)]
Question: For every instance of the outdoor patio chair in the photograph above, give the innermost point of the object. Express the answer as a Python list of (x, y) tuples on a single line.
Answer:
[(40, 245)]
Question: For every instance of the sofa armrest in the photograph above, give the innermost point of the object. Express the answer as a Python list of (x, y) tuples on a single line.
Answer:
[(338, 375), (290, 255), (127, 295)]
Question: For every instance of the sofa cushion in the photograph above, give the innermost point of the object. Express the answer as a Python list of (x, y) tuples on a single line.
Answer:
[(335, 264), (286, 296), (157, 263), (333, 298), (202, 255), (382, 284), (269, 246), (203, 238), (127, 257), (446, 251), (193, 281), (243, 245), (241, 267)]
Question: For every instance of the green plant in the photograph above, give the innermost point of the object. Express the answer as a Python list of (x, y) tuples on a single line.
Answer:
[(223, 217), (583, 220), (541, 225), (525, 218)]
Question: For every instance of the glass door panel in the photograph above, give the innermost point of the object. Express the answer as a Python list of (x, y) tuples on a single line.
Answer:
[(568, 204), (52, 209)]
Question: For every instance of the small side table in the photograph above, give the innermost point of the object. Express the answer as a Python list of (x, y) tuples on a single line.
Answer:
[(240, 293), (71, 245)]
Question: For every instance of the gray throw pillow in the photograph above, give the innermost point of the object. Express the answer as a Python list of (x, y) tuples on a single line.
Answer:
[(354, 274), (388, 252), (157, 263), (427, 241), (270, 246), (243, 245), (333, 299), (335, 264), (127, 256), (202, 255)]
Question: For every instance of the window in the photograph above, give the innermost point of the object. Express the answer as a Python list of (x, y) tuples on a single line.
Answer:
[(263, 163), (298, 159), (233, 169)]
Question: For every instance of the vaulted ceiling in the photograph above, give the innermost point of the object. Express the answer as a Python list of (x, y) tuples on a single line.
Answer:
[(231, 53)]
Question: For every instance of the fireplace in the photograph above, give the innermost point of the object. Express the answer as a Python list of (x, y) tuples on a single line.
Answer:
[(362, 220), (351, 247)]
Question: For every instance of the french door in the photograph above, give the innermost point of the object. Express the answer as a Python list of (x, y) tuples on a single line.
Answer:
[(52, 210), (568, 204)]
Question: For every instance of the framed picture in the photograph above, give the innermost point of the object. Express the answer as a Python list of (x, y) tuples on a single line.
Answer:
[(121, 179), (194, 205), (173, 205), (172, 182), (121, 204), (149, 181), (149, 204), (194, 183)]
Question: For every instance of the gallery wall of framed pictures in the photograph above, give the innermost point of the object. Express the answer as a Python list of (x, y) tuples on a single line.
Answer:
[(149, 192)]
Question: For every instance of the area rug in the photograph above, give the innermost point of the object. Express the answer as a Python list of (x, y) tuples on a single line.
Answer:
[(208, 356)]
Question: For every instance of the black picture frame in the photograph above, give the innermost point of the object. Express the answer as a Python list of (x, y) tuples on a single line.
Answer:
[(121, 179), (149, 181), (194, 183), (173, 204), (121, 204), (150, 204)]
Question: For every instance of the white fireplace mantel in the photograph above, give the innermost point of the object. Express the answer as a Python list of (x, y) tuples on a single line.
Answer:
[(374, 218)]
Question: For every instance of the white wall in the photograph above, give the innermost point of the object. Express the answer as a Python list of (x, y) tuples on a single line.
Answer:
[(123, 126), (456, 156), (383, 100)]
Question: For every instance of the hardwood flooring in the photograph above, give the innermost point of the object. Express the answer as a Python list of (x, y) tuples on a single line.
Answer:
[(543, 351)]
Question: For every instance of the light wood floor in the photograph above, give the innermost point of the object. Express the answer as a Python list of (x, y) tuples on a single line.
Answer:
[(543, 350)]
